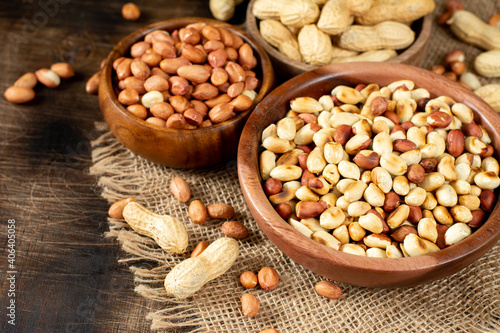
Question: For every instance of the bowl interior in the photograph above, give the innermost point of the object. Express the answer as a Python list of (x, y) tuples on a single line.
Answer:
[(336, 265), (180, 148), (122, 48), (290, 67)]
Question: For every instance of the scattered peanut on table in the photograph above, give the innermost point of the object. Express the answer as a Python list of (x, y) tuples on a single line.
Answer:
[(380, 171), (328, 289), (22, 91), (250, 305), (234, 229), (180, 189), (131, 12), (248, 279), (268, 278)]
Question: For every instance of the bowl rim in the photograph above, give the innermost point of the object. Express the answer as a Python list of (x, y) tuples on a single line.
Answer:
[(478, 243), (419, 42), (121, 47)]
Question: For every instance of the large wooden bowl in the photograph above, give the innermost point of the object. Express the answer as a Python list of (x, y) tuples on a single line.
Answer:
[(288, 67), (340, 266), (175, 147)]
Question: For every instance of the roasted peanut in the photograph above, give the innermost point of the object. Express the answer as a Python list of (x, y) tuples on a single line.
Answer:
[(268, 278), (429, 153), (248, 279), (328, 289)]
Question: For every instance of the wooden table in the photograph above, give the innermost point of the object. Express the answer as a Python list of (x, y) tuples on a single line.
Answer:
[(65, 273)]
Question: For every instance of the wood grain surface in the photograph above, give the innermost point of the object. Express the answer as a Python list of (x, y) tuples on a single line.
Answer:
[(67, 277)]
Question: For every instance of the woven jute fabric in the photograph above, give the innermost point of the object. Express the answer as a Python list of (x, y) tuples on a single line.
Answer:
[(468, 301)]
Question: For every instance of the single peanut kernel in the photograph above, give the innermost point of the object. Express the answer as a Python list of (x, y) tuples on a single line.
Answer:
[(131, 12), (248, 279), (268, 278), (328, 289)]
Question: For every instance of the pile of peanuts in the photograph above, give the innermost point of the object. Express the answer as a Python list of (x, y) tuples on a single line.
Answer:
[(193, 77), (22, 90), (380, 171)]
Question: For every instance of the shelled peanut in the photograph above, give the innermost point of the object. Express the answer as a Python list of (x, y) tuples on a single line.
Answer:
[(22, 91), (267, 278), (312, 32), (131, 12), (189, 78), (380, 171), (454, 68)]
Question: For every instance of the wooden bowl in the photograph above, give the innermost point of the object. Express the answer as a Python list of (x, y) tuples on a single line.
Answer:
[(178, 148), (288, 67), (340, 266)]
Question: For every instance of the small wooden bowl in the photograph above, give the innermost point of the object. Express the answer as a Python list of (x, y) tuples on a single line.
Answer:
[(340, 266), (175, 147), (288, 67)]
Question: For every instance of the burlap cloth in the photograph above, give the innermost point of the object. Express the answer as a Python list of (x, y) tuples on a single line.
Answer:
[(468, 301)]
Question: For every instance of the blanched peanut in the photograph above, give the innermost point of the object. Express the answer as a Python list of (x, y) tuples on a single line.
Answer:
[(326, 239), (394, 164), (393, 252), (349, 170), (358, 208), (380, 241), (372, 222), (355, 191), (316, 161), (286, 129), (490, 164), (374, 195), (432, 181), (277, 145), (430, 201), (446, 196), (426, 228), (382, 179), (353, 249), (488, 180), (313, 224), (331, 218), (442, 215), (456, 233), (470, 201), (415, 197), (398, 216), (267, 162), (415, 246), (375, 252), (333, 152), (461, 213)]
